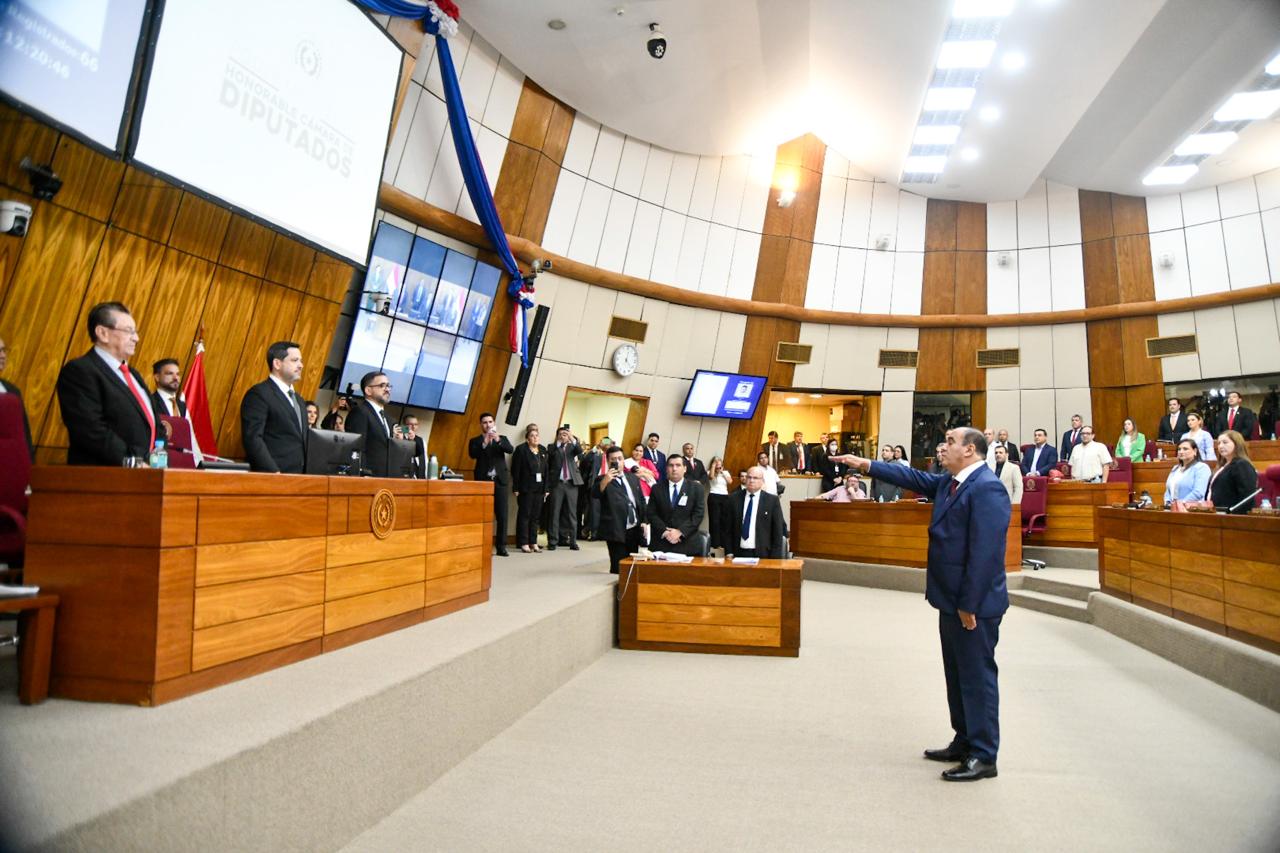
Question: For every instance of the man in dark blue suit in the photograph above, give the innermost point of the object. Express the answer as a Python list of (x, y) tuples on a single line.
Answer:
[(1071, 438), (1040, 457), (965, 582)]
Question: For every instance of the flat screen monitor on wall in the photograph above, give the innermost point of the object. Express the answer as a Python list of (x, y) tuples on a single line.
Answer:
[(72, 63), (723, 395), (421, 320), (280, 109)]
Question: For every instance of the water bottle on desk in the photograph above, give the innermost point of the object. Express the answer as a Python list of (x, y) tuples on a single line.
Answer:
[(159, 456), (433, 467)]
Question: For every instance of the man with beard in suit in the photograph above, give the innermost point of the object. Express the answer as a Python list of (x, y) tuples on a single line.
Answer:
[(368, 417), (272, 416)]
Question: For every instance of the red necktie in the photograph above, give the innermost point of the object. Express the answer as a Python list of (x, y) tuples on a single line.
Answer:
[(1231, 418), (137, 396), (955, 487)]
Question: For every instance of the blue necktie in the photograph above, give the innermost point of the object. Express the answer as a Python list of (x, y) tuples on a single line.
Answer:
[(675, 493), (746, 517)]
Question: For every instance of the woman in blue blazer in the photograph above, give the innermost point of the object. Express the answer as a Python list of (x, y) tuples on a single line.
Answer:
[(1189, 479)]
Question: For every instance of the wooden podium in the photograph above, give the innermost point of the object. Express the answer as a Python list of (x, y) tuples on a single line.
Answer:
[(173, 582)]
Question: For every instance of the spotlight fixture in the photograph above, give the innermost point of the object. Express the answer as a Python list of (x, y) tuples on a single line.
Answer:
[(556, 24)]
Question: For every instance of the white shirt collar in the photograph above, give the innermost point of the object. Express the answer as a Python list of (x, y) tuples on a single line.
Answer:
[(377, 407), (280, 383), (112, 362), (964, 474)]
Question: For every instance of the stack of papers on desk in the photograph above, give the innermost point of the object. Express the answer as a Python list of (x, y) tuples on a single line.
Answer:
[(746, 561), (12, 591), (671, 557)]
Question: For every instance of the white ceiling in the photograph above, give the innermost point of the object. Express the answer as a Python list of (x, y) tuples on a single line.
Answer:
[(1110, 86)]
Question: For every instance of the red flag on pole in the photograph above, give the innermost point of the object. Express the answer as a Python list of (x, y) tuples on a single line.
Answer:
[(198, 403)]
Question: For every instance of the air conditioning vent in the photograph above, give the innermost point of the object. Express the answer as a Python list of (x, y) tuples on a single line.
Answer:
[(793, 353), (999, 357), (898, 358), (627, 329), (1172, 345)]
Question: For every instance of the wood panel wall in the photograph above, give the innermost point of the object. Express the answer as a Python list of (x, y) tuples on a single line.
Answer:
[(178, 261), (526, 184), (955, 282), (782, 276), (1117, 270)]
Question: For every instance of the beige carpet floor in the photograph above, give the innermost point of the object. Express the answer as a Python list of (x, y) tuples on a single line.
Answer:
[(1105, 747)]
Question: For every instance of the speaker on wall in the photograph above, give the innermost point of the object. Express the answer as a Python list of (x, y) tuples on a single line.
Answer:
[(516, 394)]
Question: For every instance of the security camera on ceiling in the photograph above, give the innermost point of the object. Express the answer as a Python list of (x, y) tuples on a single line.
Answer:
[(656, 43)]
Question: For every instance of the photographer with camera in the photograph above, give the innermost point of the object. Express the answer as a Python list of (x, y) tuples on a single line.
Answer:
[(622, 507), (490, 452)]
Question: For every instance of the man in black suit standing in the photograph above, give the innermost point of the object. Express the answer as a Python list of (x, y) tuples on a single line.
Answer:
[(272, 416), (677, 506), (779, 455), (562, 466), (1173, 426), (1236, 416), (799, 454), (167, 398), (1071, 437), (653, 454), (693, 467), (622, 509), (103, 399), (757, 518), (368, 417), (1002, 440), (490, 452), (591, 464), (10, 388)]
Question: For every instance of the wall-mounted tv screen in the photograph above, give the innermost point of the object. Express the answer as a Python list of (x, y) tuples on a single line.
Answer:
[(421, 319), (72, 63), (723, 395), (281, 109)]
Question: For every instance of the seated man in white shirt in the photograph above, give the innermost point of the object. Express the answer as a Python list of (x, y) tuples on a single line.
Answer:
[(1090, 460), (770, 475)]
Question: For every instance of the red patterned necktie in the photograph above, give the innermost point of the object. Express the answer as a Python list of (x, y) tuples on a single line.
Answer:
[(142, 402), (1231, 419), (955, 487)]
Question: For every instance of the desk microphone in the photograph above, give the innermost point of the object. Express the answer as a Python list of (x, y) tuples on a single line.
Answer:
[(1256, 492)]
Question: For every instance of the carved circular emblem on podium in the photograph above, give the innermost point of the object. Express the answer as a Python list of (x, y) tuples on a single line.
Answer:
[(382, 513)]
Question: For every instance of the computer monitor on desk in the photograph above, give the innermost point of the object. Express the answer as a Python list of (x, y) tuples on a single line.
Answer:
[(400, 458), (334, 453)]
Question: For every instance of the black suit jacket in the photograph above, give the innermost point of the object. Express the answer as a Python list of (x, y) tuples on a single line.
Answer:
[(1164, 433), (10, 388), (272, 430), (696, 470), (784, 455), (556, 459), (589, 465), (525, 468), (1234, 484), (1012, 450), (363, 419), (830, 471), (104, 421), (770, 530), (494, 456), (1067, 445), (687, 519), (613, 508), (793, 453), (1245, 420), (158, 406)]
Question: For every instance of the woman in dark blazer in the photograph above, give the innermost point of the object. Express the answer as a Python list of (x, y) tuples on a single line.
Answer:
[(833, 473), (529, 482), (1236, 478)]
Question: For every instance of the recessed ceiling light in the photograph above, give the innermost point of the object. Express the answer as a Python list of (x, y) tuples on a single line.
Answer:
[(791, 401), (1244, 106), (989, 113), (556, 24), (948, 98), (1206, 143), (982, 8), (966, 54), (1273, 67), (1014, 60), (1167, 175), (931, 164), (936, 134), (970, 154), (815, 396)]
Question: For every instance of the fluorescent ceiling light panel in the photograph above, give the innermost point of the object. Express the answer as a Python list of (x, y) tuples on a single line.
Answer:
[(936, 134), (1167, 175), (1273, 67), (1206, 143), (1014, 60), (966, 54), (931, 164), (989, 113), (1249, 106), (982, 8), (970, 154), (948, 98)]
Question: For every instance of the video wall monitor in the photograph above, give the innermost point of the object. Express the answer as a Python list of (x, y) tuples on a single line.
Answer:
[(421, 320), (72, 63), (280, 109), (724, 395)]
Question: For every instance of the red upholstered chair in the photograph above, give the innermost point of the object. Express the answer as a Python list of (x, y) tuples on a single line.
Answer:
[(1035, 494), (1270, 482), (15, 462), (1123, 472), (178, 443), (1065, 468), (1025, 448), (1256, 434)]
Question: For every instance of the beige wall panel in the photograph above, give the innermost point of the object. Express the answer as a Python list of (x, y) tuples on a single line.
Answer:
[(851, 358), (1179, 368), (1036, 356), (701, 347), (810, 375), (895, 417), (629, 305), (676, 334), (1068, 402), (728, 349), (655, 314), (545, 397), (1038, 411), (1003, 378), (1216, 337), (1070, 356), (1004, 410), (712, 437), (902, 379), (1256, 326), (560, 340), (593, 330), (596, 379)]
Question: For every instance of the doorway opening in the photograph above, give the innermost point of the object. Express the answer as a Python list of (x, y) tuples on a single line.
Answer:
[(593, 415)]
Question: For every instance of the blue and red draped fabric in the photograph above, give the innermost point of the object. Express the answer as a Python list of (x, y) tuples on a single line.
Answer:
[(440, 24)]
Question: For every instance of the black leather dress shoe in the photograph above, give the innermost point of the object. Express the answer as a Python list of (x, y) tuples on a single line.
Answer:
[(502, 552), (550, 547), (970, 770), (951, 753), (573, 546)]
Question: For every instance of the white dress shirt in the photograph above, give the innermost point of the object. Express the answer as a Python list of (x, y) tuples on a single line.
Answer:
[(1088, 460), (770, 480)]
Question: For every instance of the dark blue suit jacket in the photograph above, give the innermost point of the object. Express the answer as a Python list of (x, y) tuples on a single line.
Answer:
[(966, 538), (1048, 458)]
